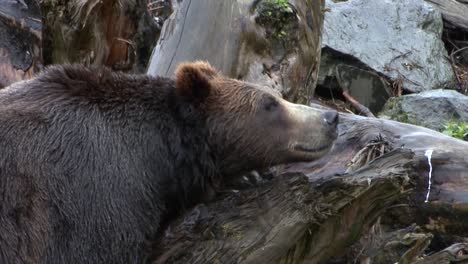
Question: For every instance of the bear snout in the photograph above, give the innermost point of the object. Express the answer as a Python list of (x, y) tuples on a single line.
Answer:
[(330, 121), (330, 118)]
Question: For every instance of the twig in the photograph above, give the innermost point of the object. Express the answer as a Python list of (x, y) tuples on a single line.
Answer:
[(458, 50), (399, 56), (454, 69), (450, 41), (453, 64), (156, 8), (358, 106), (345, 92), (155, 2)]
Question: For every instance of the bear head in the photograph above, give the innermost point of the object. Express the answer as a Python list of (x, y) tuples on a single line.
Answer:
[(249, 126)]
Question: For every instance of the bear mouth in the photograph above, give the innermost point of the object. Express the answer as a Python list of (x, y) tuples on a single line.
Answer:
[(307, 149)]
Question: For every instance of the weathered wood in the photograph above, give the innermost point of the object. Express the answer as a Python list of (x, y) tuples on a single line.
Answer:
[(453, 11), (456, 253), (409, 245), (447, 208), (20, 40), (260, 41), (291, 220), (288, 220), (119, 34)]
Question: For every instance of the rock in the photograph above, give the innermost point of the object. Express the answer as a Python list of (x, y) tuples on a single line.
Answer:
[(338, 73), (431, 109), (398, 39), (365, 86)]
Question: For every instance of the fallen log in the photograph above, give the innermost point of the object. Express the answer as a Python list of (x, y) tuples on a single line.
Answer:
[(314, 211), (453, 11), (447, 206), (288, 220), (409, 245)]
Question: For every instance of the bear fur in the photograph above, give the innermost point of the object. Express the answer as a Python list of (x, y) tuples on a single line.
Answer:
[(94, 163)]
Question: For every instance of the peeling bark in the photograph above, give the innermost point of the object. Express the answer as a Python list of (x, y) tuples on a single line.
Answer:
[(119, 34), (290, 219)]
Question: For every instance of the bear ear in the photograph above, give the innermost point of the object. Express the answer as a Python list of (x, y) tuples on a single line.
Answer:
[(193, 80)]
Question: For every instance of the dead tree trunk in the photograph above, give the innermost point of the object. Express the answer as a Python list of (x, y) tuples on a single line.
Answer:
[(20, 40), (289, 220), (364, 138), (315, 211), (119, 34), (267, 42)]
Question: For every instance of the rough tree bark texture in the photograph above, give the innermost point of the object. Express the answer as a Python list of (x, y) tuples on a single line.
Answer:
[(119, 34), (448, 200), (315, 211), (262, 41), (288, 220), (20, 40)]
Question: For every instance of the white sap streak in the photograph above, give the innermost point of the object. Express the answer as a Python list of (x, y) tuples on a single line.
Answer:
[(428, 154)]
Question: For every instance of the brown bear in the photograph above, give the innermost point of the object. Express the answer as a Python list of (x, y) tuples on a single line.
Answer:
[(94, 163)]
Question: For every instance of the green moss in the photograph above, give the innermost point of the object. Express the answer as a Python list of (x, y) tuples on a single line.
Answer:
[(278, 18), (456, 129), (393, 111), (228, 231)]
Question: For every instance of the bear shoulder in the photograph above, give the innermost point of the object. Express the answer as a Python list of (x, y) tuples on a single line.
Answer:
[(94, 85)]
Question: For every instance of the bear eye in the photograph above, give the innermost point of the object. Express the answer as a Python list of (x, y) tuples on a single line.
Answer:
[(270, 104)]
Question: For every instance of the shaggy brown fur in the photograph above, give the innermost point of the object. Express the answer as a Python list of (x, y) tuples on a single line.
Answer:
[(94, 163)]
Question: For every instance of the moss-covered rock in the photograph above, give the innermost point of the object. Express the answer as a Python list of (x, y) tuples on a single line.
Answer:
[(431, 109)]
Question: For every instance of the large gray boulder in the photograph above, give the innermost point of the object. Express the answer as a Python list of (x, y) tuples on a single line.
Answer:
[(399, 39), (431, 109)]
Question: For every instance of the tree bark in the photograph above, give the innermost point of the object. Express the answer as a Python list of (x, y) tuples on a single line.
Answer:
[(288, 220), (448, 199), (452, 11), (409, 245), (259, 41), (20, 40), (118, 34), (315, 211)]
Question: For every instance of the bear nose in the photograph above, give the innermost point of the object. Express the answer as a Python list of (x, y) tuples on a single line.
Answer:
[(330, 118)]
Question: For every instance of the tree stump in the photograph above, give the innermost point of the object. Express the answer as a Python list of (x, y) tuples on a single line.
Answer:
[(268, 42), (118, 34)]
